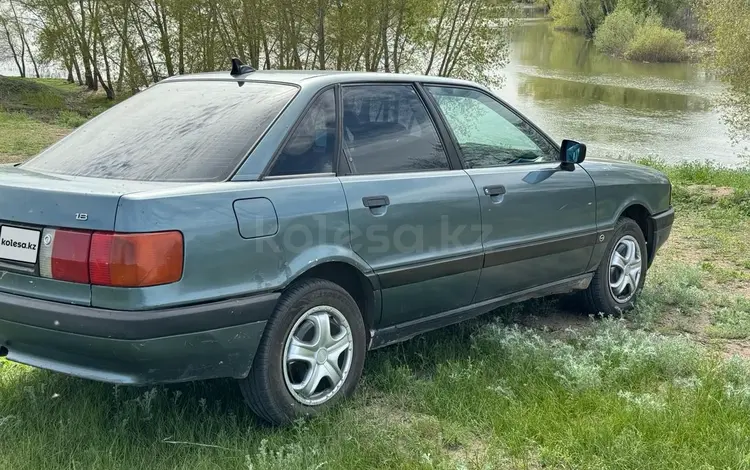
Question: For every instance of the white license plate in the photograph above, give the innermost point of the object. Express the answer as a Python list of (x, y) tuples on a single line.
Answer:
[(18, 244)]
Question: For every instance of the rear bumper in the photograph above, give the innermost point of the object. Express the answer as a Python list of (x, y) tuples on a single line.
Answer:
[(206, 341), (662, 224)]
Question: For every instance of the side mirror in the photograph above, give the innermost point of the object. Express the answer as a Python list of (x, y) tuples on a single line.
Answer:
[(572, 152)]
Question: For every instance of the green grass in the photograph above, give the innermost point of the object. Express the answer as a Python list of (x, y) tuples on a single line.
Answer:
[(701, 173), (676, 287), (530, 386), (731, 319), (35, 113), (480, 395), (22, 136)]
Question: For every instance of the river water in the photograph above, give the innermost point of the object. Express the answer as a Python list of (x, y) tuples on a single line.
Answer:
[(616, 107)]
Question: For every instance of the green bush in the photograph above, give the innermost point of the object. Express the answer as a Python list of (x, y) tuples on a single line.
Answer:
[(68, 118), (670, 10), (565, 15), (637, 37), (655, 43), (581, 16), (614, 35)]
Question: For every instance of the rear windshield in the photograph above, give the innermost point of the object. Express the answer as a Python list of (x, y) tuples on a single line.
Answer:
[(174, 131)]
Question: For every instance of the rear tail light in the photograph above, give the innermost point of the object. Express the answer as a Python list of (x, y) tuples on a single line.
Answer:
[(112, 259), (135, 260), (64, 255)]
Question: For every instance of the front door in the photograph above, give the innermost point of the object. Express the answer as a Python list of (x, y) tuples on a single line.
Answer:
[(413, 218), (539, 220)]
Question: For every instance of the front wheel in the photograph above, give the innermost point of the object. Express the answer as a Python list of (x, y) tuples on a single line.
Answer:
[(619, 279), (311, 355)]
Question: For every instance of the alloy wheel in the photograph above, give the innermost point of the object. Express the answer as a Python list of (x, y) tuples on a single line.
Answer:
[(625, 268), (318, 355)]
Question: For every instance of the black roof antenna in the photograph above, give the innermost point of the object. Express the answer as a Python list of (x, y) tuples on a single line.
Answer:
[(238, 68)]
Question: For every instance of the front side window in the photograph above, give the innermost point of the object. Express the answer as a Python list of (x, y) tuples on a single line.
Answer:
[(387, 129), (312, 145), (175, 131), (488, 133)]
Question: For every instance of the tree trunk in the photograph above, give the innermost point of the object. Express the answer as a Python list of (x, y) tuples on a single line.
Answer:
[(69, 68), (108, 88), (127, 57), (86, 52), (146, 48), (80, 33), (92, 42), (123, 57), (24, 41), (321, 34), (397, 37), (21, 70), (384, 19), (33, 61), (473, 15), (181, 42), (436, 39), (77, 68), (340, 39), (251, 24), (23, 57), (161, 23), (461, 36), (444, 64)]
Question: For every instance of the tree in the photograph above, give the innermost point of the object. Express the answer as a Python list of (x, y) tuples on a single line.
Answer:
[(117, 43), (728, 23), (14, 34)]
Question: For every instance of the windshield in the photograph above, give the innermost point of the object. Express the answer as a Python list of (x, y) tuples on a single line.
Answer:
[(174, 131)]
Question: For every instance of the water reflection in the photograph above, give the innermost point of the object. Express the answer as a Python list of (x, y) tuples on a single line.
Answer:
[(581, 93), (617, 107)]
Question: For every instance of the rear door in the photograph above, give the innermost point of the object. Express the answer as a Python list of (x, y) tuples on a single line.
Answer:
[(413, 217), (539, 222)]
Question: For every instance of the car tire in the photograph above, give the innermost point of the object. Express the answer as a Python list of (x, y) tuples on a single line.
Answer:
[(601, 297), (294, 353)]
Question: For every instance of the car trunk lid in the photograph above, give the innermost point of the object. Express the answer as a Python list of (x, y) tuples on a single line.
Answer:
[(35, 199), (31, 202)]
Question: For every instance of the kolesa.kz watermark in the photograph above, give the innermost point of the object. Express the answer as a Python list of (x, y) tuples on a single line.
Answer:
[(14, 244)]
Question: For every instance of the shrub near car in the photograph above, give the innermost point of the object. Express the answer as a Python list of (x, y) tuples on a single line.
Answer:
[(273, 226)]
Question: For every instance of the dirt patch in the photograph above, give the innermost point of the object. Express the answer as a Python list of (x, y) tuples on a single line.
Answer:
[(713, 192), (672, 322), (472, 450), (739, 347), (60, 133), (556, 320), (11, 159), (393, 416), (742, 289)]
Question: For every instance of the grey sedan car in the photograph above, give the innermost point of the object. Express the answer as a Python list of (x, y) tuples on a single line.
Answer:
[(273, 226)]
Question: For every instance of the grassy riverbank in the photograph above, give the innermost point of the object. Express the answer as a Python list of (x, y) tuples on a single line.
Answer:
[(533, 385), (36, 113)]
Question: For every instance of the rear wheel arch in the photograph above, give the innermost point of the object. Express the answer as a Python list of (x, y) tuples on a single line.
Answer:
[(351, 279), (281, 395)]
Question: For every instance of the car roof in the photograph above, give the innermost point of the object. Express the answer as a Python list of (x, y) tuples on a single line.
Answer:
[(318, 78)]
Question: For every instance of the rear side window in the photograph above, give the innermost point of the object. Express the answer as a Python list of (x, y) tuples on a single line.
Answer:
[(387, 129), (312, 145), (174, 131)]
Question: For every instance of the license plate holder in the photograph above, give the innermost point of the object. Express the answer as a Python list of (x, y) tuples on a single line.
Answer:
[(19, 245)]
